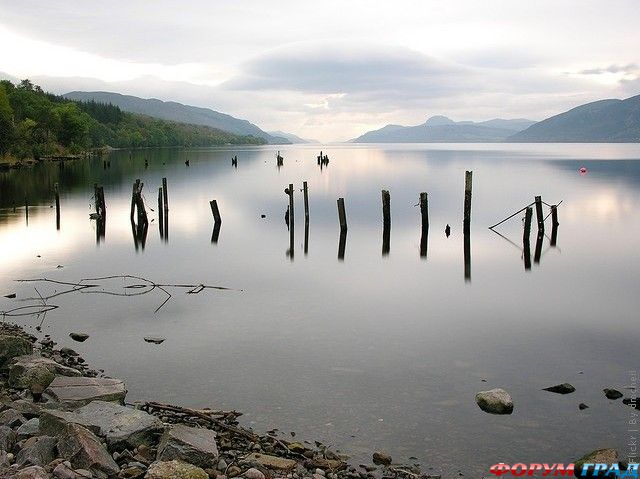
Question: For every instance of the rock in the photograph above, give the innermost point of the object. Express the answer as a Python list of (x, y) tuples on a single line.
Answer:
[(12, 346), (194, 445), (175, 470), (84, 473), (25, 372), (564, 388), (79, 391), (253, 473), (11, 418), (132, 472), (61, 471), (121, 426), (234, 471), (85, 451), (495, 401), (8, 438), (612, 393), (29, 428), (326, 464), (607, 456), (582, 406), (80, 337), (381, 458), (297, 447), (40, 452), (222, 465), (154, 339), (32, 472), (271, 462)]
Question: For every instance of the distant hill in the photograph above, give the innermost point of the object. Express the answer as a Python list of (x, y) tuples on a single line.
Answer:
[(443, 129), (599, 121), (177, 112), (291, 137)]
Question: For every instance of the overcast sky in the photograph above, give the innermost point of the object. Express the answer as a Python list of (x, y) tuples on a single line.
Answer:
[(333, 69)]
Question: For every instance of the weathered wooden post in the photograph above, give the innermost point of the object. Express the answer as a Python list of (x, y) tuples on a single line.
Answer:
[(306, 237), (342, 215), (467, 257), (424, 211), (386, 207), (539, 215), (291, 215), (468, 177), (134, 192), (538, 252), (165, 195), (342, 244), (57, 193), (527, 223), (160, 213), (215, 211), (424, 240), (554, 226), (215, 234), (306, 201)]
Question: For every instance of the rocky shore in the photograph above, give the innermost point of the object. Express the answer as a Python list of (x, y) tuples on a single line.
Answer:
[(60, 419)]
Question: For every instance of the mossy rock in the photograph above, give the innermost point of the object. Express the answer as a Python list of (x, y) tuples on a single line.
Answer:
[(12, 346)]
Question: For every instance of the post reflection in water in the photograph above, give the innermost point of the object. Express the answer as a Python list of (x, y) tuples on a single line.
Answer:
[(139, 232), (306, 236), (215, 233), (424, 239), (342, 244)]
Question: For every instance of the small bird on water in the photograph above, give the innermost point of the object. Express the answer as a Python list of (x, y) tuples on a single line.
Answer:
[(447, 230)]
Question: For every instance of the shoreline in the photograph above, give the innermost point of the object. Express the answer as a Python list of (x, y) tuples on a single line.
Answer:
[(59, 418)]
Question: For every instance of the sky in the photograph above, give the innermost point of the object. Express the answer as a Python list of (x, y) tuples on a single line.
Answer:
[(333, 69)]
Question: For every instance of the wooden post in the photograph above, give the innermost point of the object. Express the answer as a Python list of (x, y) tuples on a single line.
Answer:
[(538, 253), (424, 240), (386, 239), (291, 216), (57, 193), (539, 215), (342, 215), (468, 177), (554, 215), (306, 237), (467, 256), (164, 194), (160, 213), (424, 211), (306, 201), (342, 244), (215, 211), (527, 223), (134, 192), (215, 234), (554, 226), (386, 207), (26, 209), (526, 252)]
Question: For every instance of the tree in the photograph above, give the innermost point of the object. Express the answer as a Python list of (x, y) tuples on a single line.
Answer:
[(6, 121)]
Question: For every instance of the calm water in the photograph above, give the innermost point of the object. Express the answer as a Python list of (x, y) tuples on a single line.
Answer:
[(373, 351)]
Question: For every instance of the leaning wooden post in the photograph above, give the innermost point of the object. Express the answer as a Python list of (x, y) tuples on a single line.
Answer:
[(215, 211), (306, 201), (342, 215), (539, 215), (468, 180), (57, 193)]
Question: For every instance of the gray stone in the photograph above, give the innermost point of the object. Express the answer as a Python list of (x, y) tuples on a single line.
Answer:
[(26, 372), (175, 470), (253, 473), (495, 401), (12, 346), (62, 471), (80, 337), (32, 472), (29, 428), (85, 451), (122, 427), (78, 391), (606, 456), (222, 465), (564, 388), (8, 438), (38, 453), (271, 462), (612, 394), (194, 445), (11, 418), (381, 458)]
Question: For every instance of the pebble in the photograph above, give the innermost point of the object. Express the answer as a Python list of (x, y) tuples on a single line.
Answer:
[(222, 465), (253, 473), (80, 337)]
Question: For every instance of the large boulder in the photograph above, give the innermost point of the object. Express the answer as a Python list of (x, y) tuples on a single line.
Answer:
[(12, 418), (175, 470), (78, 391), (37, 451), (603, 456), (32, 472), (122, 427), (495, 401), (194, 445), (12, 346), (33, 371), (84, 450), (29, 428)]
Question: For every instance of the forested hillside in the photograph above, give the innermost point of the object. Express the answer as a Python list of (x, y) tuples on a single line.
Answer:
[(34, 124)]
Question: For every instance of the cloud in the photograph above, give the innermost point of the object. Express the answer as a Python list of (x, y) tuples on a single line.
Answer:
[(626, 69)]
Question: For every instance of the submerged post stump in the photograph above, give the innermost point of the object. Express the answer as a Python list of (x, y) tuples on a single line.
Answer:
[(342, 215)]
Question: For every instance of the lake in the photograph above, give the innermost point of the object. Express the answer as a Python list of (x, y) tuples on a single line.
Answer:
[(374, 350)]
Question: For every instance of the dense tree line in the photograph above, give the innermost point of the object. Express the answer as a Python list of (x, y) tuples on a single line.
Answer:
[(34, 124)]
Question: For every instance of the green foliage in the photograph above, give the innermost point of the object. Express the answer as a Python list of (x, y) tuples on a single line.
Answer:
[(34, 123)]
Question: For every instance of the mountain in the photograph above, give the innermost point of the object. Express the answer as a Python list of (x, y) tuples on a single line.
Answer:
[(291, 137), (599, 121), (177, 112), (443, 129)]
